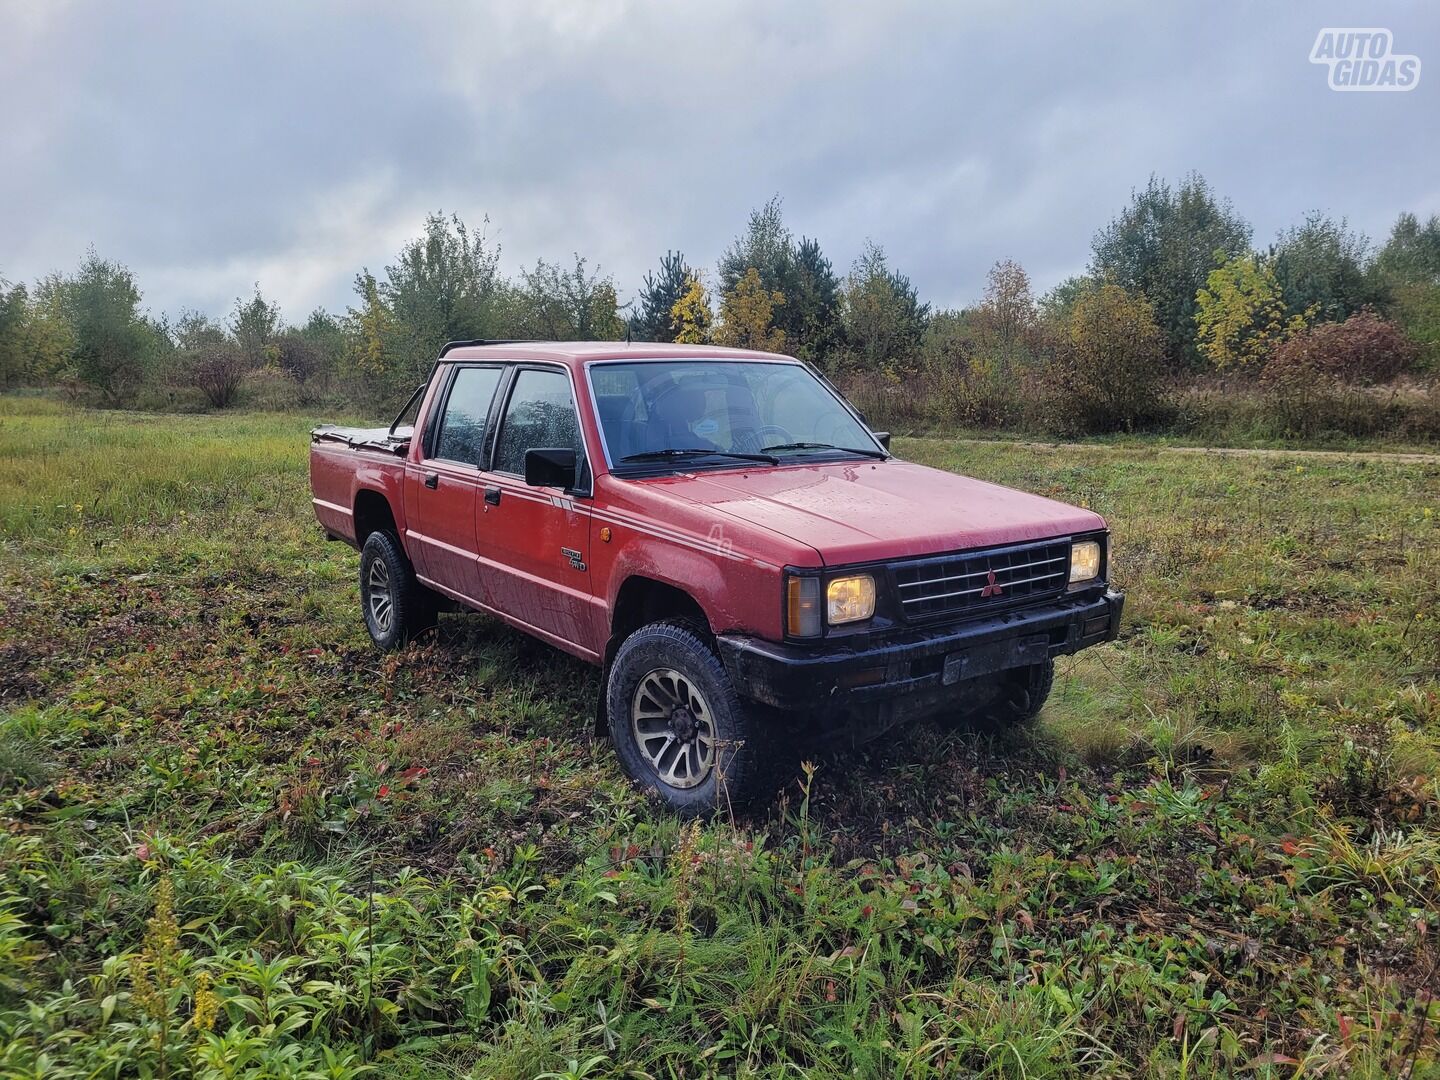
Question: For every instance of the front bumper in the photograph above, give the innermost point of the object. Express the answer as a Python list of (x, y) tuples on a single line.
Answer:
[(925, 663)]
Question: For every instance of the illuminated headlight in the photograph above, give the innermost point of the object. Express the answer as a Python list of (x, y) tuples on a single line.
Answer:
[(850, 599), (1084, 561)]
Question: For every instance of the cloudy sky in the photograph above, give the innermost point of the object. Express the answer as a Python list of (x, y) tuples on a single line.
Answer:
[(211, 146)]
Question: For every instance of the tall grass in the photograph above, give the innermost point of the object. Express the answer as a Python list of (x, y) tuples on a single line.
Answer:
[(237, 842)]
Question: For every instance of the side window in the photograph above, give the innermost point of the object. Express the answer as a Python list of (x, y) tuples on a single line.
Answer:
[(462, 428), (541, 414)]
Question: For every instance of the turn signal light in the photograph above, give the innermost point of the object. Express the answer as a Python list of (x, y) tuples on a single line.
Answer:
[(802, 607)]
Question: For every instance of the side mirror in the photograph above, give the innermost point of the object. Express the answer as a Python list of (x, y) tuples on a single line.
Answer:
[(883, 437), (550, 467)]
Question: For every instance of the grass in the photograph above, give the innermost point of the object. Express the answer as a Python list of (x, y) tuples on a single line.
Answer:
[(238, 842)]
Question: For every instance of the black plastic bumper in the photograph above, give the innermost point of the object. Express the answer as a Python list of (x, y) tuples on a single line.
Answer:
[(924, 663)]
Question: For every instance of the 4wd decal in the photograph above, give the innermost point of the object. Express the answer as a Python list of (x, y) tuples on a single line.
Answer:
[(577, 560)]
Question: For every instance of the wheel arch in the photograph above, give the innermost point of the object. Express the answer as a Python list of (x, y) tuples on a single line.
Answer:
[(639, 601), (372, 514)]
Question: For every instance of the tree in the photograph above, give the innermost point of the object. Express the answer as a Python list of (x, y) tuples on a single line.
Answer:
[(207, 358), (658, 296), (766, 247), (1416, 307), (1055, 306), (1240, 314), (443, 287), (814, 315), (14, 328), (312, 350), (747, 316), (1163, 245), (194, 329), (1412, 254), (1322, 269), (554, 304), (691, 318), (45, 338), (883, 316), (1005, 317), (1115, 363), (111, 343), (811, 314), (255, 323)]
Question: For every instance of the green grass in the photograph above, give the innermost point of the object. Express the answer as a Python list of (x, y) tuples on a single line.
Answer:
[(238, 842)]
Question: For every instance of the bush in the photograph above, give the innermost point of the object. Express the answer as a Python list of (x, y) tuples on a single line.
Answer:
[(1417, 310), (1361, 351), (271, 389), (1107, 374), (1316, 381), (216, 369)]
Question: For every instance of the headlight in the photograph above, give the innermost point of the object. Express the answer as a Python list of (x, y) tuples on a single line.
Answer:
[(850, 599), (1084, 561)]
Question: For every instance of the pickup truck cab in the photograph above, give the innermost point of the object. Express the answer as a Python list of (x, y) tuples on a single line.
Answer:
[(721, 532)]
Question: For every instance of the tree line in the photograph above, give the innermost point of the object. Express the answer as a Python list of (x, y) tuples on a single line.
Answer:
[(1176, 295)]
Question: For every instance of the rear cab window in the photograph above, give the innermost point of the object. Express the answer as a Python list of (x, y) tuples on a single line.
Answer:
[(462, 430)]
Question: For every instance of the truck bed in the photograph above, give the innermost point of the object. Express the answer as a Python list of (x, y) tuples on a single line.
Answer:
[(382, 439)]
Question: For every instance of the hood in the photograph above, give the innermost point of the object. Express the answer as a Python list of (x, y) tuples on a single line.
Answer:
[(855, 512)]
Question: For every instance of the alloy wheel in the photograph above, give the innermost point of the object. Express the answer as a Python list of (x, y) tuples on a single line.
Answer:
[(382, 603), (673, 727)]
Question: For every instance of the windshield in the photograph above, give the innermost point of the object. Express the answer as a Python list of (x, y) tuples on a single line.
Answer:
[(708, 412)]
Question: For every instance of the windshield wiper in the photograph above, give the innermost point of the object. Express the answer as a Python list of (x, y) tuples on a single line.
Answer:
[(880, 454), (698, 451)]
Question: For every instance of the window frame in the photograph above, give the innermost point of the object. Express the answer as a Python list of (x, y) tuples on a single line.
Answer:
[(584, 478), (434, 431)]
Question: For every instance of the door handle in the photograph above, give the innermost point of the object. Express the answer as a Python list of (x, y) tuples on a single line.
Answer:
[(492, 496), (432, 480)]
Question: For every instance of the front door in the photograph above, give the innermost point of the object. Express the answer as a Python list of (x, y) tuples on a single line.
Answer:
[(534, 542), (443, 491)]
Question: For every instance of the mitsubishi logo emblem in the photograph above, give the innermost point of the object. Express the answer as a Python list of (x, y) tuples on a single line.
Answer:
[(992, 587)]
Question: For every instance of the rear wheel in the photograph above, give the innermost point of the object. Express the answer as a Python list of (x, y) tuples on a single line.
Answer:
[(395, 605), (679, 729)]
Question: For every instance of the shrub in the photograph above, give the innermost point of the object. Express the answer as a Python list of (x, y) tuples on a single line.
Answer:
[(1107, 374), (1315, 382), (1417, 310), (216, 369), (1361, 351)]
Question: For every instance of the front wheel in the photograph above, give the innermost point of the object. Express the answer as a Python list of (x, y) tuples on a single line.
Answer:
[(1013, 699), (679, 729), (395, 605)]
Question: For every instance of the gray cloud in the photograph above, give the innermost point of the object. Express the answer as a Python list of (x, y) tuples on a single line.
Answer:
[(213, 146)]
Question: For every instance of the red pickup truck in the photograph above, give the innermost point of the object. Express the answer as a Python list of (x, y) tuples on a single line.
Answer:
[(721, 532)]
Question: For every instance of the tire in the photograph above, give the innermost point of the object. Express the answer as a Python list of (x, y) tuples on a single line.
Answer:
[(395, 606), (1028, 687), (667, 688), (1018, 697)]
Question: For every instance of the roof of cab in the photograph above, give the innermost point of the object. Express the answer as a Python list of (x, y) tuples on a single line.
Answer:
[(583, 351)]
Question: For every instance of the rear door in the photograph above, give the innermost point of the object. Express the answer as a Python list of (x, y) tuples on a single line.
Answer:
[(534, 542), (443, 490)]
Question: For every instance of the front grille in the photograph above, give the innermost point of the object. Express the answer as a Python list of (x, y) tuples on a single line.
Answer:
[(951, 584)]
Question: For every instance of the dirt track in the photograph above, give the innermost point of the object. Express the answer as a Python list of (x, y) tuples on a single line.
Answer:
[(1222, 451)]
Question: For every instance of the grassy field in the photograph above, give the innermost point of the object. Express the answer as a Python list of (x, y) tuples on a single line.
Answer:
[(238, 842)]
